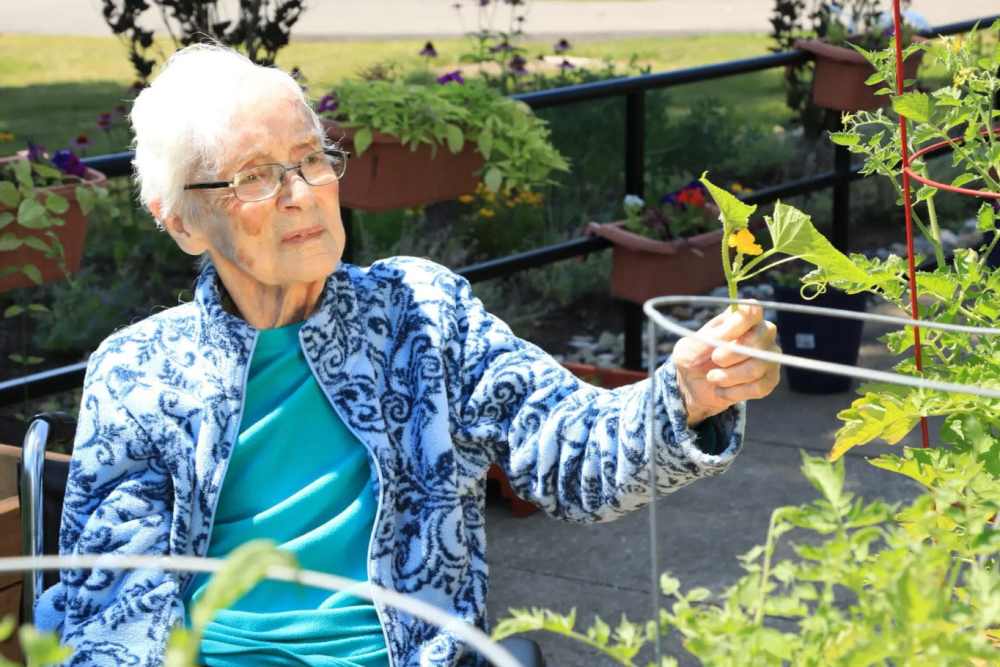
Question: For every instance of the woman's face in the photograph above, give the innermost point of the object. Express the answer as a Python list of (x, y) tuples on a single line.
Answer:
[(293, 237)]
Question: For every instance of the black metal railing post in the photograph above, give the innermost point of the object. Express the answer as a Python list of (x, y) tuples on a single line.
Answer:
[(635, 184)]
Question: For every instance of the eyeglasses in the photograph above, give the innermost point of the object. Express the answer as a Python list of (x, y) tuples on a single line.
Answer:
[(264, 180)]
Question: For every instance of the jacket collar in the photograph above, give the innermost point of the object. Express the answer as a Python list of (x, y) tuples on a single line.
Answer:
[(335, 316)]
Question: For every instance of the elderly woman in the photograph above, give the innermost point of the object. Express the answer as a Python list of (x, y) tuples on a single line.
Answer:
[(348, 413)]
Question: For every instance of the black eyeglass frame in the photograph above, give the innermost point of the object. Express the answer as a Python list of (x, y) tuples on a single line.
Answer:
[(211, 185)]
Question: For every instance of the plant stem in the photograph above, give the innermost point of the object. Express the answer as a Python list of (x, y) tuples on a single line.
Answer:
[(935, 233), (765, 572)]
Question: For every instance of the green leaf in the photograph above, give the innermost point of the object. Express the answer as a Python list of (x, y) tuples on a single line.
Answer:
[(22, 170), (845, 138), (42, 647), (244, 567), (874, 415), (7, 626), (493, 179), (37, 244), (962, 179), (6, 218), (362, 140), (793, 233), (9, 242), (38, 308), (13, 311), (31, 215), (34, 275), (56, 203), (914, 106), (453, 133), (599, 632), (8, 194), (986, 218), (485, 143), (87, 197), (669, 585), (734, 214), (826, 477)]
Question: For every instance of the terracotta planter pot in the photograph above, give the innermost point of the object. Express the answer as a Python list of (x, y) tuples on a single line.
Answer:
[(72, 235), (391, 176), (643, 268), (840, 75)]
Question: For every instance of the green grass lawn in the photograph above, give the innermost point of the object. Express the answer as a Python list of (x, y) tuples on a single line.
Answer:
[(53, 88)]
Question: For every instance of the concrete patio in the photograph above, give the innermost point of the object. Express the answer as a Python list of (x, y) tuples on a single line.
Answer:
[(605, 569)]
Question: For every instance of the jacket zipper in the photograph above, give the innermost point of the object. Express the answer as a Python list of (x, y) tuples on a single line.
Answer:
[(225, 466), (378, 505)]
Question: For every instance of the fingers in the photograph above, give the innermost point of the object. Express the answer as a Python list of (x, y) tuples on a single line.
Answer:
[(727, 325), (759, 387), (761, 337)]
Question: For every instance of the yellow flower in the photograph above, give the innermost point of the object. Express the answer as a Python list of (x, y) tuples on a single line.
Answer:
[(745, 243), (6, 136), (466, 199), (486, 212)]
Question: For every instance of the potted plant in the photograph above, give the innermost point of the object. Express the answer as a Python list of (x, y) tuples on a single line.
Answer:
[(44, 202), (847, 37), (817, 337), (414, 144), (670, 248)]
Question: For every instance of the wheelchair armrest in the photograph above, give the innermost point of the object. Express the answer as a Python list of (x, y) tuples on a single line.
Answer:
[(41, 495)]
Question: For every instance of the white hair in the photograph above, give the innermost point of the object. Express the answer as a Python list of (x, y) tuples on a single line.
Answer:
[(183, 120)]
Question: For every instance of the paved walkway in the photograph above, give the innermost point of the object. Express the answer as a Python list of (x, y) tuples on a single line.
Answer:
[(378, 18)]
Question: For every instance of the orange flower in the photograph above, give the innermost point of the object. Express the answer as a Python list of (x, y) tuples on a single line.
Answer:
[(745, 243), (466, 199)]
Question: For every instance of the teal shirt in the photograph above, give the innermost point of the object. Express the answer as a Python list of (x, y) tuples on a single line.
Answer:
[(299, 477)]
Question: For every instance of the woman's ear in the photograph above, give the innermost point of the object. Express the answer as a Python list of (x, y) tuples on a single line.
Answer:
[(189, 237)]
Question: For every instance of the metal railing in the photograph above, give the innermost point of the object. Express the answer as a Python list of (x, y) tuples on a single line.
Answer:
[(634, 90)]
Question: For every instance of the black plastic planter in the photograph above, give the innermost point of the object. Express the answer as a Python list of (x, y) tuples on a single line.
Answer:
[(819, 337)]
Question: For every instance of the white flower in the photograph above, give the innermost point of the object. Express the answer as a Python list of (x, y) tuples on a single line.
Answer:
[(633, 204)]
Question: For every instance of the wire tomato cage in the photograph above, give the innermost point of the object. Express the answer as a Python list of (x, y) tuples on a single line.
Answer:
[(657, 320)]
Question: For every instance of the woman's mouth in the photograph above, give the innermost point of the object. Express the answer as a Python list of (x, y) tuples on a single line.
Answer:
[(302, 235)]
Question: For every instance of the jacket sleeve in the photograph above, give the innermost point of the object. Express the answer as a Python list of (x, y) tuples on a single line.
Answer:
[(118, 500), (579, 452)]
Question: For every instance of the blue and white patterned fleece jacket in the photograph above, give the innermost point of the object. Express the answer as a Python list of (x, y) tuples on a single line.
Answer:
[(436, 389)]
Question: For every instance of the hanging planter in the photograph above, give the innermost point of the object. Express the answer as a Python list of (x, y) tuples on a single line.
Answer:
[(42, 242), (840, 75), (389, 175), (643, 268), (414, 144)]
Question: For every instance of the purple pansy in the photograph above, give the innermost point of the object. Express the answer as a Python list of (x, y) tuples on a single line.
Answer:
[(429, 51), (565, 65), (455, 76), (327, 103), (502, 47), (104, 121), (81, 142), (562, 46), (518, 65), (67, 162), (36, 152)]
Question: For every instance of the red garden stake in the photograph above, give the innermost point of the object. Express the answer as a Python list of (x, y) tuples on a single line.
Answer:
[(908, 175), (897, 24)]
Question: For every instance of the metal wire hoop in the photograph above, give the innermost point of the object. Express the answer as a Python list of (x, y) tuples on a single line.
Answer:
[(941, 145), (476, 638)]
